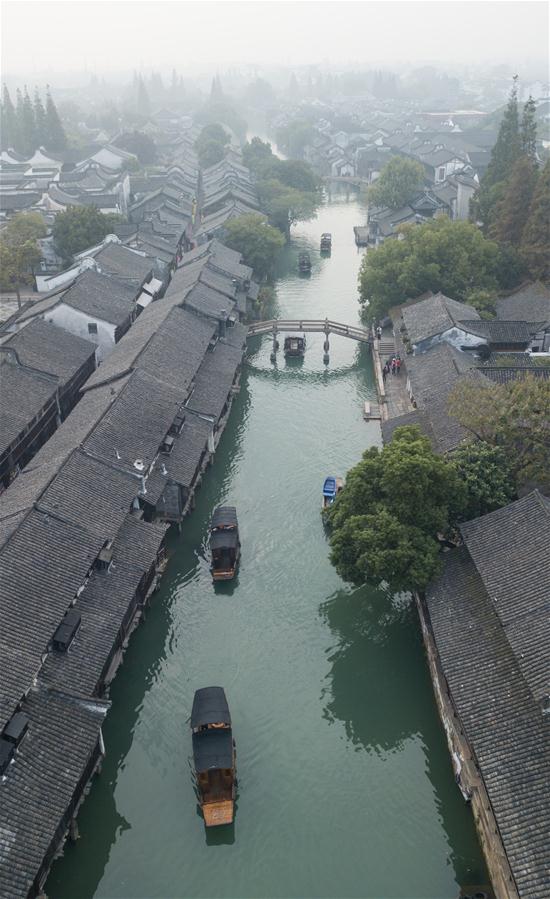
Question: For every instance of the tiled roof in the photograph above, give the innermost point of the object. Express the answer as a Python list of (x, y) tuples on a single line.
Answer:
[(530, 302), (124, 263), (22, 397), (216, 375), (511, 551), (435, 315), (496, 710), (504, 332), (38, 792), (42, 345), (102, 297)]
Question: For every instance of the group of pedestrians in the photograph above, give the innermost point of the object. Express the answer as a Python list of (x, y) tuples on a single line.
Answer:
[(392, 366)]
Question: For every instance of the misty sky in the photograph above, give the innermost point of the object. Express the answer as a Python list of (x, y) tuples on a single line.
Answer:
[(46, 38)]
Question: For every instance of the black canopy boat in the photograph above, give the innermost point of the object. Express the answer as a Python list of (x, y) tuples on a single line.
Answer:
[(295, 345), (304, 263), (214, 755), (326, 242), (225, 545)]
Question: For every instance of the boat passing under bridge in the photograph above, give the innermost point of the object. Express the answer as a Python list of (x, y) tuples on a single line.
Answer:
[(308, 326)]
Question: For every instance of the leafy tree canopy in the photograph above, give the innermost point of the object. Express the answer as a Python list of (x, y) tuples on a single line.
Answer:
[(513, 417), (19, 250), (258, 242), (140, 144), (487, 476), (294, 137), (440, 255), (80, 227), (384, 524), (512, 210), (399, 181), (535, 245)]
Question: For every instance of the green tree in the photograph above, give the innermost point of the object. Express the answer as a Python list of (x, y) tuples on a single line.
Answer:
[(140, 144), (514, 417), (505, 152), (19, 250), (25, 124), (486, 475), (294, 137), (452, 257), (484, 301), (80, 227), (210, 153), (39, 119), (386, 521), (512, 211), (399, 181), (256, 152), (8, 122), (213, 131), (535, 245), (286, 206), (56, 138), (529, 130), (259, 243)]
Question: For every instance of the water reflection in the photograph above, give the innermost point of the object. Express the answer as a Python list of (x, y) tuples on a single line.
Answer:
[(378, 645)]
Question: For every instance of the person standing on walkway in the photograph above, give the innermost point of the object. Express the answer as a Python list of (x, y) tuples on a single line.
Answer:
[(379, 332), (398, 365), (393, 366)]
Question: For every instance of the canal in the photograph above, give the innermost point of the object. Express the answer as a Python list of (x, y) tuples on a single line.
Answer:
[(345, 784)]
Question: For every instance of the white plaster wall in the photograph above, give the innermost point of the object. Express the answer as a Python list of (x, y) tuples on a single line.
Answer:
[(77, 323), (456, 337)]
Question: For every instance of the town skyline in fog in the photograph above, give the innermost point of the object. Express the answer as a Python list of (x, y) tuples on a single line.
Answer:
[(109, 39)]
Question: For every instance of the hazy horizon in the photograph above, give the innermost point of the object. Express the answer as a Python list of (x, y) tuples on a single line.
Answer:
[(112, 38)]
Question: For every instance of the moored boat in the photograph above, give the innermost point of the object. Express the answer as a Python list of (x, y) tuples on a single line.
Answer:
[(295, 345), (331, 488), (214, 755), (326, 242), (225, 545), (304, 263)]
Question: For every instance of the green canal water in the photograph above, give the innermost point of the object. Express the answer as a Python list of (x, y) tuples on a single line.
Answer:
[(345, 785)]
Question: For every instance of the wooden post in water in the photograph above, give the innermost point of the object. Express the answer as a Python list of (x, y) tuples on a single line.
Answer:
[(275, 345), (326, 345)]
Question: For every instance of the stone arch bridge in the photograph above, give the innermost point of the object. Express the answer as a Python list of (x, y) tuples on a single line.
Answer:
[(309, 326)]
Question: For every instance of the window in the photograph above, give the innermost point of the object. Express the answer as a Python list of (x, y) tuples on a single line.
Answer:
[(92, 328), (441, 175)]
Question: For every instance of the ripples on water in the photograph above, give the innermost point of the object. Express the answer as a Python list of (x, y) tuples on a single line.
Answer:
[(345, 787)]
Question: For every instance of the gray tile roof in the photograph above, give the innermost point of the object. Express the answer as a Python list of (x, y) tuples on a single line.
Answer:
[(23, 396), (121, 262), (435, 315), (104, 604), (496, 710), (502, 332), (530, 302), (42, 345), (208, 302), (132, 430), (416, 417), (511, 550), (432, 376), (45, 557), (215, 377), (182, 463), (101, 296), (38, 791)]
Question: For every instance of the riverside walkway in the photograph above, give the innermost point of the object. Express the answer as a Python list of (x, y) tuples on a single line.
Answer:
[(392, 393)]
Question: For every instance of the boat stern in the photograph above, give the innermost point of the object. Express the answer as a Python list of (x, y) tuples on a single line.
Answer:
[(218, 813)]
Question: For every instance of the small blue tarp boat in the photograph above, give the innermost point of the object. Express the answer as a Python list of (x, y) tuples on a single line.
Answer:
[(331, 488)]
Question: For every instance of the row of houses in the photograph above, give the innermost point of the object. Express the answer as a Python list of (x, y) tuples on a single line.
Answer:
[(485, 620), (122, 386), (82, 543)]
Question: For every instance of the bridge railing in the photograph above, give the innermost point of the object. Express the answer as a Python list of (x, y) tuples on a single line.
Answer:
[(309, 325)]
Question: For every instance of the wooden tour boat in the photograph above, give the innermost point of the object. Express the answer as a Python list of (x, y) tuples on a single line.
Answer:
[(326, 242), (214, 755), (304, 263), (225, 545), (295, 346), (331, 489)]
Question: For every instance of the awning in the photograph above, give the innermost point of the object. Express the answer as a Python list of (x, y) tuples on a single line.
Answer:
[(213, 749), (210, 707), (144, 299)]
